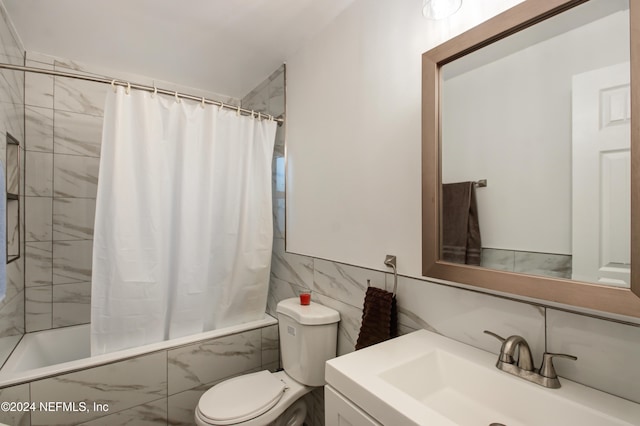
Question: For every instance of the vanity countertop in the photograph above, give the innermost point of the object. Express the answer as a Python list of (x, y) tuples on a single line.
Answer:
[(423, 378)]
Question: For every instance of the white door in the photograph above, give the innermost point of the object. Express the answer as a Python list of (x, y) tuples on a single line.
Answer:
[(601, 205)]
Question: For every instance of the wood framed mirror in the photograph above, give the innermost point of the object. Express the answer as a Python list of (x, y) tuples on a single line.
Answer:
[(529, 16)]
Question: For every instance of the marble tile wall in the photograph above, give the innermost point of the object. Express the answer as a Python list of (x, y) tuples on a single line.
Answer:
[(454, 312), (12, 122), (63, 147), (605, 348), (161, 388), (63, 137), (545, 264)]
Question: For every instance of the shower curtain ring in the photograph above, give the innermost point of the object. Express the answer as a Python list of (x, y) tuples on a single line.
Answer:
[(155, 90), (128, 87), (176, 95), (202, 104), (221, 106), (259, 116), (113, 84), (238, 111)]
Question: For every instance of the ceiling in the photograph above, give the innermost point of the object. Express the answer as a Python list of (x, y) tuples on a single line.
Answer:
[(224, 46)]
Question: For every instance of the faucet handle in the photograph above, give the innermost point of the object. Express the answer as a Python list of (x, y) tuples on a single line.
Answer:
[(547, 369), (491, 333)]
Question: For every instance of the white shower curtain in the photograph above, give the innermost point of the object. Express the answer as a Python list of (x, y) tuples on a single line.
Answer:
[(183, 228)]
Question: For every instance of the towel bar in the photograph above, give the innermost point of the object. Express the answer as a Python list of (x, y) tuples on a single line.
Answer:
[(390, 261)]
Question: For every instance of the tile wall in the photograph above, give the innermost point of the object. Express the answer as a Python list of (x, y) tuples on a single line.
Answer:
[(63, 136), (607, 350), (160, 388), (12, 121), (545, 264)]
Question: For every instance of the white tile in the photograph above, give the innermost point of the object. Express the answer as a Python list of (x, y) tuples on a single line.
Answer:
[(39, 174), (38, 90), (149, 414), (12, 316), (38, 212), (19, 393), (344, 282), (75, 176), (12, 86), (85, 97), (463, 315), (72, 261), (201, 363), (121, 386), (10, 45), (278, 171), (71, 304), (544, 264), (42, 60), (68, 65), (270, 345), (77, 134), (39, 263), (39, 129), (276, 96), (73, 218), (182, 406), (278, 218), (349, 325), (292, 268), (608, 352), (281, 290), (258, 101), (37, 308), (502, 260), (7, 345), (12, 122)]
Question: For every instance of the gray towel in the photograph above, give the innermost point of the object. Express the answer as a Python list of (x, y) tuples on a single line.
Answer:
[(460, 227)]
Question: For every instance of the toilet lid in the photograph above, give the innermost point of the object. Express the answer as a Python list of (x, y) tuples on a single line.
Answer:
[(241, 398)]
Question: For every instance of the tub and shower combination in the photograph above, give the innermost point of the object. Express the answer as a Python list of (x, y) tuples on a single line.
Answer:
[(182, 243), (158, 383), (60, 350)]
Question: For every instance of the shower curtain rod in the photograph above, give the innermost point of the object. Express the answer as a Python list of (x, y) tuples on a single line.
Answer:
[(139, 87)]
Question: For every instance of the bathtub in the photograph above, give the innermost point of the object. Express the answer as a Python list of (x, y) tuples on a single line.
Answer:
[(52, 352)]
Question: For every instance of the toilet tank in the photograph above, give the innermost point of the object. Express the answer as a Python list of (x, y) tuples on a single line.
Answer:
[(308, 338)]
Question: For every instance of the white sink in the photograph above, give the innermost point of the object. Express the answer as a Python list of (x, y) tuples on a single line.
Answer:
[(423, 378)]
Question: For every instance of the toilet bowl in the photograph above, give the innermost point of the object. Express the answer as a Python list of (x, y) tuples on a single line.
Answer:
[(308, 338), (255, 399)]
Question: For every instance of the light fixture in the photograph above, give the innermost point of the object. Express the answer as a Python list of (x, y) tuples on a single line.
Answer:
[(440, 9)]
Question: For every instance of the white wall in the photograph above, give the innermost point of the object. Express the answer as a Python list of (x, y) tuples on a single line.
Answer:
[(354, 135), (523, 147)]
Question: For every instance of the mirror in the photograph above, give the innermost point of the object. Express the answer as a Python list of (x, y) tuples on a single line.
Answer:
[(559, 173), (555, 216)]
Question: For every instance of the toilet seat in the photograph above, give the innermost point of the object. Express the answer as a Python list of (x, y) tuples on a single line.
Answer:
[(241, 398)]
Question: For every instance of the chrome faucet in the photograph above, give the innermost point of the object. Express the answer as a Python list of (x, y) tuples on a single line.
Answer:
[(544, 376)]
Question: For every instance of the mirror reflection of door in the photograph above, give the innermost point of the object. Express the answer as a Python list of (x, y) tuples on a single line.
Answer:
[(601, 194)]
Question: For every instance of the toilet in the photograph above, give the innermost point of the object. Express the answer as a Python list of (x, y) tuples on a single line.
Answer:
[(308, 336)]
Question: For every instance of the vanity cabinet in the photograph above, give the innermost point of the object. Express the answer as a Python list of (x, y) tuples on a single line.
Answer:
[(339, 411)]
